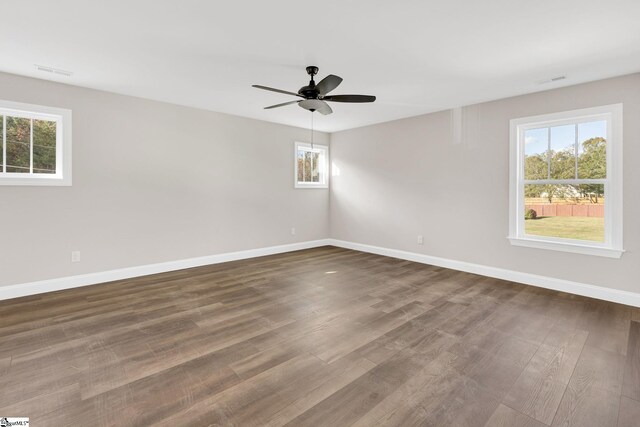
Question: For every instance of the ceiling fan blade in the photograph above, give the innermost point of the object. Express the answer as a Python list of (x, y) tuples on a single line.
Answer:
[(328, 84), (281, 105), (277, 90), (349, 98), (316, 105)]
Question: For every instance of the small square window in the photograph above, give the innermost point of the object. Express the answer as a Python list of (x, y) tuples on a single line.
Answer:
[(311, 165), (35, 145)]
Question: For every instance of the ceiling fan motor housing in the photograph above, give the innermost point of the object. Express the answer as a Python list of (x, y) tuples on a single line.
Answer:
[(310, 92)]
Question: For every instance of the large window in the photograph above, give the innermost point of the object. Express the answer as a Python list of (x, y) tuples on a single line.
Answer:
[(566, 181), (311, 165), (35, 145)]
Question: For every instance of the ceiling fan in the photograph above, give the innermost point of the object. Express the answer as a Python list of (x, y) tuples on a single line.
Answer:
[(315, 96)]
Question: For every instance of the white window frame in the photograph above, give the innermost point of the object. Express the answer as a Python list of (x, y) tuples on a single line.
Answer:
[(612, 246), (323, 165), (62, 117)]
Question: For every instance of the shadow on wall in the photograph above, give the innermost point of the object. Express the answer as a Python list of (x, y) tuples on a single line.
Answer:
[(363, 204)]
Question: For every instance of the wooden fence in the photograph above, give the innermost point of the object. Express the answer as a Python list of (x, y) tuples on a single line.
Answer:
[(594, 211)]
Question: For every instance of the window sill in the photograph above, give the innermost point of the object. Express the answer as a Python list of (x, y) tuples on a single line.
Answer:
[(301, 185), (36, 181), (531, 242)]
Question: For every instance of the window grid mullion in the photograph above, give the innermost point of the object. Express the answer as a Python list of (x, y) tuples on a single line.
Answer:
[(304, 165), (565, 181)]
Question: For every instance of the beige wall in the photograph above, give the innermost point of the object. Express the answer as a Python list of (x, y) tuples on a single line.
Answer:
[(408, 177), (153, 182)]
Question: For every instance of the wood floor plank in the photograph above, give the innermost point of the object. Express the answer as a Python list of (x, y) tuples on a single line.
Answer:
[(403, 402), (173, 390), (352, 340), (264, 360), (494, 342), (346, 405), (608, 326), (495, 373), (449, 399), (257, 400), (631, 386), (471, 317), (39, 406), (342, 373), (600, 368), (587, 407), (325, 336), (629, 412), (507, 417), (5, 363), (539, 389), (531, 327), (592, 397), (25, 380)]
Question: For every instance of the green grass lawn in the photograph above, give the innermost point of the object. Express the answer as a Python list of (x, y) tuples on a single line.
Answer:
[(567, 227)]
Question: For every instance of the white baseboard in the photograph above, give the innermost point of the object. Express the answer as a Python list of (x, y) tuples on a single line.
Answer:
[(33, 288), (592, 291)]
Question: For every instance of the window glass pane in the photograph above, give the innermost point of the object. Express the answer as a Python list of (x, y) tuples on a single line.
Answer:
[(307, 166), (44, 146), (18, 144), (536, 161), (592, 150), (315, 176), (565, 211), (300, 160), (563, 153)]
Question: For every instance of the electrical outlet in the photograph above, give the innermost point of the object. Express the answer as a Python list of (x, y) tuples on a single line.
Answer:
[(75, 256), (293, 231), (420, 240)]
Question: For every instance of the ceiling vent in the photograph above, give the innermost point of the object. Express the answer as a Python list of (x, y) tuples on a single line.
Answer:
[(551, 80), (52, 70)]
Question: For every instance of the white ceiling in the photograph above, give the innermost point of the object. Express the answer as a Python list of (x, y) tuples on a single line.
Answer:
[(416, 56)]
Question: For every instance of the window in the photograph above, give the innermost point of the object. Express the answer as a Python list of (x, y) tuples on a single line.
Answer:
[(35, 145), (311, 165), (566, 181)]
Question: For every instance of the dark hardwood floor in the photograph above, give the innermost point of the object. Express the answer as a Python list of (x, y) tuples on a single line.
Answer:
[(325, 336)]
